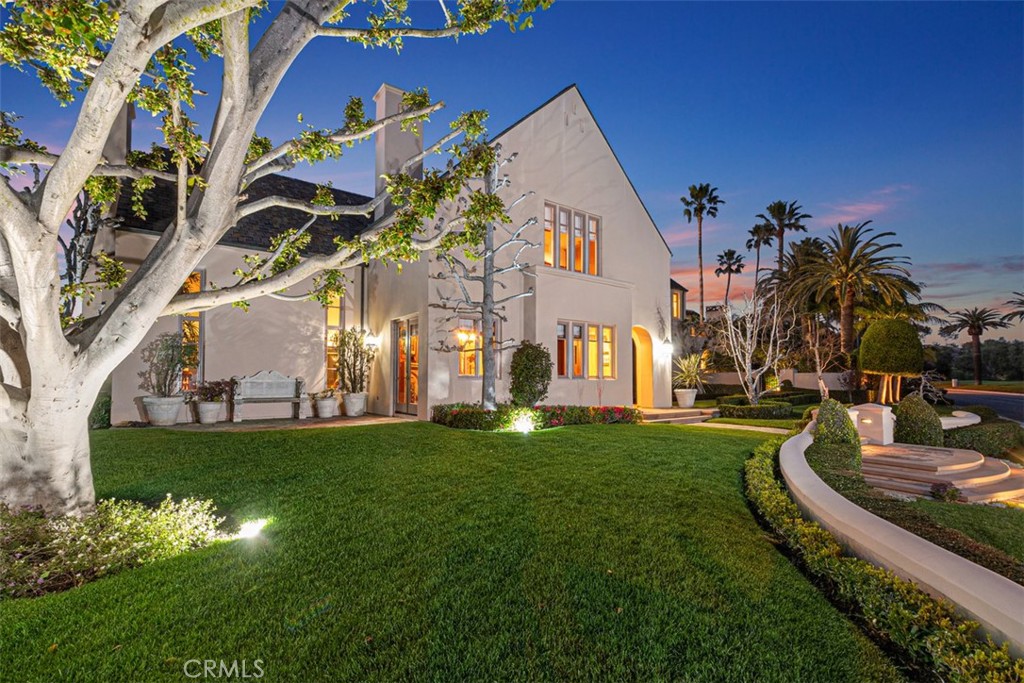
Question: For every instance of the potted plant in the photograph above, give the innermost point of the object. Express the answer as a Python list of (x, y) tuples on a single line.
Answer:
[(688, 379), (326, 405), (355, 357), (165, 357), (208, 398)]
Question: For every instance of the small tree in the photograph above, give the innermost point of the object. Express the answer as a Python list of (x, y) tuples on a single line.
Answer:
[(531, 374), (892, 349), (164, 357), (756, 339), (824, 348), (355, 357)]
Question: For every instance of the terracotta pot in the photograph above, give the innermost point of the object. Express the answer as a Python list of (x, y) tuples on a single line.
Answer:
[(162, 411)]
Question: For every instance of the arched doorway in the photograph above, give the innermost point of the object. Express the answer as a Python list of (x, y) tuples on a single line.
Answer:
[(643, 368)]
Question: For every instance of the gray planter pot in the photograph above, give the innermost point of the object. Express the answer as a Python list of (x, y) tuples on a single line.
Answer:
[(162, 411), (326, 407), (355, 404), (686, 397), (208, 412)]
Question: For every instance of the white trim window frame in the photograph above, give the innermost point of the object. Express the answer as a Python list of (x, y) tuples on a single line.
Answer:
[(572, 240), (584, 351), (471, 330)]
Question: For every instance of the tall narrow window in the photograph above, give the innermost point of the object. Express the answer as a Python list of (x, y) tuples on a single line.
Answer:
[(334, 324), (593, 351), (192, 337), (577, 350), (549, 235), (470, 344), (562, 352), (577, 242), (592, 231), (677, 305), (607, 352), (563, 239)]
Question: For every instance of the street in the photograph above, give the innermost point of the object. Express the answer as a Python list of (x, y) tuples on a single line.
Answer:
[(1007, 405)]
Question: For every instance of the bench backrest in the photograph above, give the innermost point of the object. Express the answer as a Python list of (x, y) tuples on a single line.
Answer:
[(268, 384)]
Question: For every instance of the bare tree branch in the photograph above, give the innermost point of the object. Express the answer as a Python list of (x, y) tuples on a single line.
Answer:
[(356, 33)]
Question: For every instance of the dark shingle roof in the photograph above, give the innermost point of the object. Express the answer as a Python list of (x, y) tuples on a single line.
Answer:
[(675, 285), (256, 231)]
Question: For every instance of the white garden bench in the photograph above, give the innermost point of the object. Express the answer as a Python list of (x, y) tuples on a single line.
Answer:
[(268, 386)]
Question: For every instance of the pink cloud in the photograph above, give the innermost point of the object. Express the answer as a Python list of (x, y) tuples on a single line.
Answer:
[(871, 206)]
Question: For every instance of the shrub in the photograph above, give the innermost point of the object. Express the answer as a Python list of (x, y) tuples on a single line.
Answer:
[(800, 398), (786, 385), (468, 416), (989, 438), (530, 373), (984, 412), (689, 373), (928, 631), (891, 347), (767, 410), (616, 415), (716, 390), (472, 416), (835, 426), (732, 400), (945, 492), (99, 416), (917, 423), (40, 554)]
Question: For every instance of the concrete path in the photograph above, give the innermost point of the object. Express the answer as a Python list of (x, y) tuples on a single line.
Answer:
[(1007, 405)]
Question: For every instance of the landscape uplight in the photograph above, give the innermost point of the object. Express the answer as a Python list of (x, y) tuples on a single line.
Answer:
[(251, 529)]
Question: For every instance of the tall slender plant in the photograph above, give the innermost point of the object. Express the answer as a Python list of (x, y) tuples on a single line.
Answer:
[(703, 200), (783, 218), (761, 235), (976, 322), (729, 263), (355, 357)]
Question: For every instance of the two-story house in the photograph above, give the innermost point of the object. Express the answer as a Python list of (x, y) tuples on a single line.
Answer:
[(601, 303)]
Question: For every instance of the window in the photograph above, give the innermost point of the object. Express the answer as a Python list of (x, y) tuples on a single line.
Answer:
[(470, 340), (585, 351), (192, 337), (677, 305), (334, 324), (571, 240), (549, 235), (562, 352)]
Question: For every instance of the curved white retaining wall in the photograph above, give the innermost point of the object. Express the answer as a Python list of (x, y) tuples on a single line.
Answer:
[(992, 600)]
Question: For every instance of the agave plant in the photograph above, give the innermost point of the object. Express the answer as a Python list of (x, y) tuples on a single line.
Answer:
[(689, 373)]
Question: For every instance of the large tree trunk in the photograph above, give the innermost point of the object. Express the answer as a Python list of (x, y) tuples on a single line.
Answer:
[(700, 262), (846, 322), (488, 396), (44, 452), (728, 285), (976, 356), (757, 266)]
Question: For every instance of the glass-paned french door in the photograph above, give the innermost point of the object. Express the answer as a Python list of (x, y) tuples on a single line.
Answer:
[(407, 365)]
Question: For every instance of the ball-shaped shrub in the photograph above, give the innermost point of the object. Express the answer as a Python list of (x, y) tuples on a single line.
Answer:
[(891, 347), (835, 425), (531, 374), (917, 423)]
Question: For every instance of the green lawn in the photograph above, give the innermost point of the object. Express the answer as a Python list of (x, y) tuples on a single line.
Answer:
[(412, 552), (1008, 386), (789, 423)]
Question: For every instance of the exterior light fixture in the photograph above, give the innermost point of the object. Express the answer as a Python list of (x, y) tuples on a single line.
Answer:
[(252, 528), (523, 423)]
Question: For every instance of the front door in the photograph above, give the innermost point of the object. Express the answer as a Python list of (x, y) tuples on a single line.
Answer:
[(407, 365)]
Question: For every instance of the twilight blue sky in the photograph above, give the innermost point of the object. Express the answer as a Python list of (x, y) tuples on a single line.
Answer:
[(910, 114)]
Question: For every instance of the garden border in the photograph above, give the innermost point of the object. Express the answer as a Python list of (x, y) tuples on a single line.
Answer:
[(992, 600)]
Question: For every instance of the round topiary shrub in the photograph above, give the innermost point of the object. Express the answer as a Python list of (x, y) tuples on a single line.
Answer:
[(835, 425), (917, 423), (530, 374), (891, 347)]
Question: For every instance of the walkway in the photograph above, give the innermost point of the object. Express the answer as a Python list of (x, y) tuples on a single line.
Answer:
[(1007, 405), (288, 423)]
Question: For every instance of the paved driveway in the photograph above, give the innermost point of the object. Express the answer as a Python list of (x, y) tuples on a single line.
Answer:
[(1007, 405)]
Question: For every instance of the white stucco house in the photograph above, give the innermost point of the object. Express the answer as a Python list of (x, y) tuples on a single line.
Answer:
[(602, 305)]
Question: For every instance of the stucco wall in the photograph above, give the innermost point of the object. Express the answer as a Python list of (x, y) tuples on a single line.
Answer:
[(272, 335)]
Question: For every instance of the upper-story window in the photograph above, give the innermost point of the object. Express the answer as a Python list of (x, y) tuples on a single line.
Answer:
[(334, 325), (677, 305), (571, 239), (192, 337)]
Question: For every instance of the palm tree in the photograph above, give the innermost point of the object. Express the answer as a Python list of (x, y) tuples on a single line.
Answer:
[(921, 314), (976, 321), (1017, 306), (761, 235), (784, 217), (852, 265), (729, 263), (703, 200)]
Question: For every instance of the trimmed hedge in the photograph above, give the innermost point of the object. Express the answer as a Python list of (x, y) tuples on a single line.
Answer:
[(771, 410), (891, 347), (834, 425), (984, 412), (504, 418), (917, 423), (927, 631), (716, 390), (988, 438)]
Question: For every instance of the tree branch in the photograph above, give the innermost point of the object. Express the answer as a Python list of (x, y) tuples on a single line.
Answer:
[(10, 312), (389, 33)]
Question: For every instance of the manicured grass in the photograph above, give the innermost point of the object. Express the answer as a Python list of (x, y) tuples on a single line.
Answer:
[(789, 423), (1009, 386), (985, 534), (414, 552)]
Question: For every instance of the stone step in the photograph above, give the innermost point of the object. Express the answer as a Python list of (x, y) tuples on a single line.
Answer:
[(686, 420), (899, 485), (1007, 489), (989, 471), (670, 413), (925, 458)]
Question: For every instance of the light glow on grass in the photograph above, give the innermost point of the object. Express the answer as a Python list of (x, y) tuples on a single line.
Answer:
[(252, 528), (523, 423)]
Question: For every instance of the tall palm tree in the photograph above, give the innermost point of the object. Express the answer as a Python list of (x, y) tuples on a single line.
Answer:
[(975, 321), (703, 201), (1017, 306), (761, 235), (921, 314), (784, 218), (729, 263), (854, 263)]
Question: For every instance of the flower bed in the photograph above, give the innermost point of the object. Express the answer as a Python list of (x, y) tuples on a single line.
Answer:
[(510, 418), (926, 631)]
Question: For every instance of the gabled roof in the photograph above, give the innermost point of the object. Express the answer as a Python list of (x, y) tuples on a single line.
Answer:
[(675, 285), (604, 137), (256, 231)]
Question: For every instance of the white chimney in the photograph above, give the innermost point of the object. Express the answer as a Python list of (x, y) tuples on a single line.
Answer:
[(119, 141), (394, 146)]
